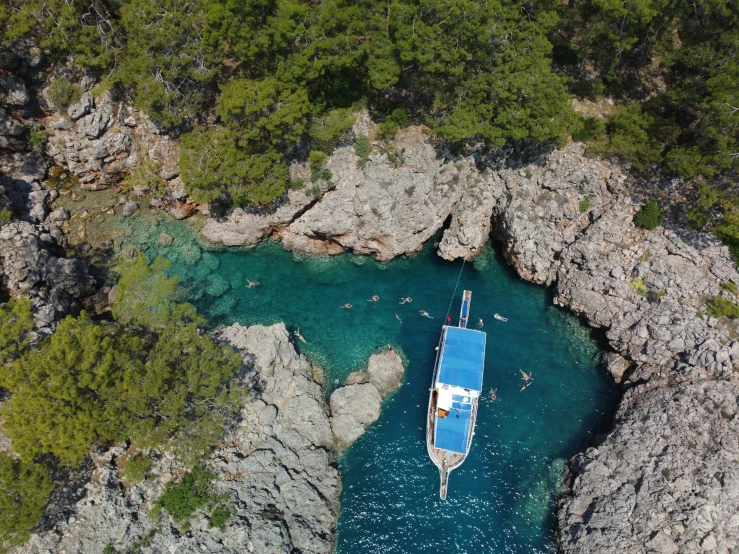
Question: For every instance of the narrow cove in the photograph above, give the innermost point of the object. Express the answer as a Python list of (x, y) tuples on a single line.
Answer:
[(501, 499)]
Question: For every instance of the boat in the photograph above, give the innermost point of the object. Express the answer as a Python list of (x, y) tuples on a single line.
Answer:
[(454, 394)]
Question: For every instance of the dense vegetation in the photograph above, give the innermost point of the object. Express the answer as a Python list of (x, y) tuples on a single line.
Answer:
[(282, 77), (157, 380), (672, 67), (24, 488)]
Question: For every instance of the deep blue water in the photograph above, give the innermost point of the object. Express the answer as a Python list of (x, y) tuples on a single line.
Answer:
[(501, 499)]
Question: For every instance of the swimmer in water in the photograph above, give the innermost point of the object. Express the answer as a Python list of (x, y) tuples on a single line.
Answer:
[(493, 394), (252, 284), (480, 322), (398, 318), (424, 313), (346, 306), (406, 300), (375, 298)]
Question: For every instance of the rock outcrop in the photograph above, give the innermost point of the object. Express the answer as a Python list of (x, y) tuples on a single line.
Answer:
[(275, 465), (662, 480), (32, 260), (666, 480), (388, 208), (356, 405)]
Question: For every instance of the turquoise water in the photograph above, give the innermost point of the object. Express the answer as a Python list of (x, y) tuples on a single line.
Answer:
[(501, 499)]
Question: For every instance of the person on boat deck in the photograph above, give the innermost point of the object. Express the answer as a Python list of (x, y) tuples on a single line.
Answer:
[(463, 321), (424, 313)]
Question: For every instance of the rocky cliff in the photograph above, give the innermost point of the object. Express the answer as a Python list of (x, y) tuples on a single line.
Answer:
[(275, 465)]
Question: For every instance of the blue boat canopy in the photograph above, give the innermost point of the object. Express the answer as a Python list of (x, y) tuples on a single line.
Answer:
[(462, 359), (452, 431)]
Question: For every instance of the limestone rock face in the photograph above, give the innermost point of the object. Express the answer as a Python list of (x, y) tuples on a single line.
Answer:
[(385, 209), (666, 479), (354, 408), (275, 465), (32, 261), (356, 405), (385, 370)]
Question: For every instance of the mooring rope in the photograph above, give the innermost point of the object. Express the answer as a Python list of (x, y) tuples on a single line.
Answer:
[(449, 309)]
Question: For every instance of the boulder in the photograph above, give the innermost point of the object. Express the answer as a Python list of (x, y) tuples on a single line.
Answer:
[(83, 107), (353, 409), (385, 371)]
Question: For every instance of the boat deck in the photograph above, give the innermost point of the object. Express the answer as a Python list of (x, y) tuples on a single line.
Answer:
[(443, 458)]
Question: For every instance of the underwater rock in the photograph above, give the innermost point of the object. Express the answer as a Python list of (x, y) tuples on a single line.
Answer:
[(130, 208), (216, 285)]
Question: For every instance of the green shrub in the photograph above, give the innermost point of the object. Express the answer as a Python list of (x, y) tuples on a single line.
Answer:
[(326, 128), (324, 174), (400, 117), (6, 216), (24, 489), (718, 306), (731, 287), (649, 216), (146, 176), (63, 94), (317, 159), (39, 134), (387, 129), (194, 492), (297, 184), (136, 468), (592, 128), (109, 549), (362, 146), (584, 205), (219, 517), (638, 286)]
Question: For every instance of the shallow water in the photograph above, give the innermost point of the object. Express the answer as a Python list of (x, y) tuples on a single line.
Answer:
[(501, 499)]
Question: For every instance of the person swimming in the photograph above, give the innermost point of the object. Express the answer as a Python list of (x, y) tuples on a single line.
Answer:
[(500, 317), (252, 284), (346, 306), (375, 298), (424, 313), (398, 318), (527, 379), (406, 300), (480, 323)]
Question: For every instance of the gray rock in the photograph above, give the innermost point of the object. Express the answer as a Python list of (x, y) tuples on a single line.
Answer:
[(13, 91), (10, 126), (83, 107), (669, 444), (385, 370), (130, 208), (353, 409)]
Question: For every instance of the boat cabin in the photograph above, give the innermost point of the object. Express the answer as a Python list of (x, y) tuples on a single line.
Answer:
[(458, 385)]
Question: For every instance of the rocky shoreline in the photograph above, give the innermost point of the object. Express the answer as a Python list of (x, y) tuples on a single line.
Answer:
[(275, 465), (565, 221), (663, 480)]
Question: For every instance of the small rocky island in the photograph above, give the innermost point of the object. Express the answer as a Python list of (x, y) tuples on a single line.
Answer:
[(339, 150)]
